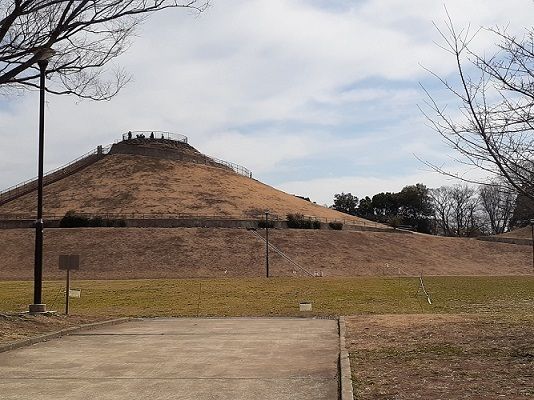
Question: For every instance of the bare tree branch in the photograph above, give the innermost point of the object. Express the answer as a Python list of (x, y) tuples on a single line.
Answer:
[(493, 131), (87, 35)]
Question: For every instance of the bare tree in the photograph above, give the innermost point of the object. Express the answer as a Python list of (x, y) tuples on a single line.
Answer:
[(495, 99), (441, 201), (86, 34), (498, 206), (456, 210)]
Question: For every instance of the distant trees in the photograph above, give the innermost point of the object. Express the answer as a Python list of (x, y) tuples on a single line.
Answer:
[(462, 210), (415, 207), (523, 211), (345, 203), (365, 208), (385, 205), (86, 36), (458, 210), (455, 209), (498, 206), (411, 207)]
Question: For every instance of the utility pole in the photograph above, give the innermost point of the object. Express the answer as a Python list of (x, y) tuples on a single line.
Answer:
[(267, 243)]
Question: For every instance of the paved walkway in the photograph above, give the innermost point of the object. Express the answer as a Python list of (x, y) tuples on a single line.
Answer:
[(204, 359)]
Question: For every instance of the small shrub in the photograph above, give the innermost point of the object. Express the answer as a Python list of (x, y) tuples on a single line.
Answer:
[(337, 226), (395, 221), (294, 221), (120, 223), (96, 222), (71, 220), (297, 221)]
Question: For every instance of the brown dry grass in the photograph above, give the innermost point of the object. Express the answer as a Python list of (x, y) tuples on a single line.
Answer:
[(136, 184), (20, 326), (442, 356), (134, 253)]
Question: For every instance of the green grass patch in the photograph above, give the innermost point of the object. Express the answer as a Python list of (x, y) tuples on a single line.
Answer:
[(280, 296)]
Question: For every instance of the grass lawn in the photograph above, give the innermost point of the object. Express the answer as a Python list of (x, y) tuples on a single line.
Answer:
[(280, 296), (476, 339)]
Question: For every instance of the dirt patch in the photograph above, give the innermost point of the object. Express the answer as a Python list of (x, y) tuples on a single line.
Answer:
[(21, 326), (441, 356)]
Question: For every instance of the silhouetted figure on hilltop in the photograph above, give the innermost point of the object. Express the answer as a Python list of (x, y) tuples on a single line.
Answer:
[(152, 135), (129, 135)]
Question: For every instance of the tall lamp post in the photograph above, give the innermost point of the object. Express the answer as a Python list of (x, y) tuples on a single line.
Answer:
[(38, 307), (267, 243), (532, 226)]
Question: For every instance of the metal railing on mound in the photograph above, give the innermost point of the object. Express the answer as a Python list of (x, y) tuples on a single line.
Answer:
[(238, 169), (155, 135), (148, 136), (54, 175)]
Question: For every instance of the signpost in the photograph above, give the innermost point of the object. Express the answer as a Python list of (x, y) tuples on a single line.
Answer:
[(68, 262)]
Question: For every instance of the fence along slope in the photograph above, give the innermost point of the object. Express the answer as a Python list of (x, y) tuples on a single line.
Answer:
[(55, 175)]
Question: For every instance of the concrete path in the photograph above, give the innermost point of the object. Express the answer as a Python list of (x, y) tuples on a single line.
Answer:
[(204, 359)]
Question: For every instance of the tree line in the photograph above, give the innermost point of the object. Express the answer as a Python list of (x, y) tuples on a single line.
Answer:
[(458, 210)]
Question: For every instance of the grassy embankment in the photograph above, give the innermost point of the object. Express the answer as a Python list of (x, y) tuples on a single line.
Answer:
[(280, 296)]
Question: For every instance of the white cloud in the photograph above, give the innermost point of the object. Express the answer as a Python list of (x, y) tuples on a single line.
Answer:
[(271, 84)]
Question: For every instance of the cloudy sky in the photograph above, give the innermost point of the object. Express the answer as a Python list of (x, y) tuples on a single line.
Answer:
[(315, 97)]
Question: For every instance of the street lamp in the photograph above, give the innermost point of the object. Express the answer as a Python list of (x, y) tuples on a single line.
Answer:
[(532, 226), (43, 56), (267, 243)]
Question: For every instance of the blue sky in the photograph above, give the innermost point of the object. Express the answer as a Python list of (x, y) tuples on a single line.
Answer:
[(315, 97)]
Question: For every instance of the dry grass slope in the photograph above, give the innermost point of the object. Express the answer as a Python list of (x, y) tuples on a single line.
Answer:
[(128, 184), (133, 253), (134, 184), (521, 233)]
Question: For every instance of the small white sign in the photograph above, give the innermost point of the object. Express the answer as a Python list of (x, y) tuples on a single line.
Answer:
[(77, 293)]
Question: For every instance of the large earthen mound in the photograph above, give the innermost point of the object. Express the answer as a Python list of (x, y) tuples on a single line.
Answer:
[(166, 178)]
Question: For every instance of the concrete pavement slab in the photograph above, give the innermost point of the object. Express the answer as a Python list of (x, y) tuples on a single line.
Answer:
[(242, 358)]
